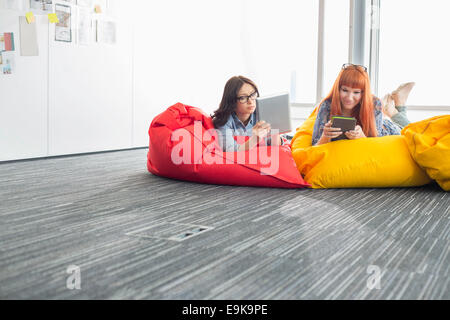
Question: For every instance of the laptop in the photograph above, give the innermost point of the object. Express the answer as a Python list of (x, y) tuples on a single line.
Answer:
[(275, 110)]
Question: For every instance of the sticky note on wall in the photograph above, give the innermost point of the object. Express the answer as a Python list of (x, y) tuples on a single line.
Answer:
[(53, 18), (98, 9), (30, 17)]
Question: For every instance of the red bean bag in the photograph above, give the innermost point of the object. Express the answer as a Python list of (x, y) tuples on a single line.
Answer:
[(183, 145)]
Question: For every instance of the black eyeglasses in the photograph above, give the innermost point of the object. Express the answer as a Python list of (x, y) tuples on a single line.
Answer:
[(346, 65), (244, 99)]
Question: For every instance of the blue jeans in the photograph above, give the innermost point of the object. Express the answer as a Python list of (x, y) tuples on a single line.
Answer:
[(401, 119)]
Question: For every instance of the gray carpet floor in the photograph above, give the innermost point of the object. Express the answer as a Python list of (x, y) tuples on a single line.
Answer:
[(123, 228)]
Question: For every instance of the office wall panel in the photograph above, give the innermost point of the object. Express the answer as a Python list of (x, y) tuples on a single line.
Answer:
[(24, 95), (90, 94)]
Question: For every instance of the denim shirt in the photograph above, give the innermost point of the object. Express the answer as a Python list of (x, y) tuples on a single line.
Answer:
[(234, 127), (384, 126)]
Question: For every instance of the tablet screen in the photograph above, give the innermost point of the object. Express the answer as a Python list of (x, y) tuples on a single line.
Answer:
[(275, 110)]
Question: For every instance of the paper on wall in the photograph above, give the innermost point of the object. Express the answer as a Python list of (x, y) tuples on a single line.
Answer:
[(14, 4), (28, 38), (41, 6), (106, 32), (85, 3), (8, 62), (84, 26), (63, 29), (7, 41)]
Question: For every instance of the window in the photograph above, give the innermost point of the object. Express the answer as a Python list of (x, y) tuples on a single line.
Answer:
[(414, 46), (336, 37), (279, 43)]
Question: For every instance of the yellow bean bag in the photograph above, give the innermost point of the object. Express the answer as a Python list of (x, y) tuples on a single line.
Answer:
[(363, 163), (429, 144)]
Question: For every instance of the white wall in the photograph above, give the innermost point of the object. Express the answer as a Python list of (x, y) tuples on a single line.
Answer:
[(90, 94), (24, 97), (414, 46), (70, 98), (75, 99)]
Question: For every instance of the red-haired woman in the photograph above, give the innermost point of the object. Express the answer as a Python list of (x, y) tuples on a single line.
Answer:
[(351, 97)]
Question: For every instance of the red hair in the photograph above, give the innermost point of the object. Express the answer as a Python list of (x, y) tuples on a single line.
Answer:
[(355, 77)]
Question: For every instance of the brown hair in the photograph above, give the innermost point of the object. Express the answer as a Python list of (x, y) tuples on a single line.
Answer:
[(228, 104)]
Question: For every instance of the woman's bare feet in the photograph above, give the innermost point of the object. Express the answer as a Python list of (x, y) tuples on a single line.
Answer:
[(389, 106), (400, 95)]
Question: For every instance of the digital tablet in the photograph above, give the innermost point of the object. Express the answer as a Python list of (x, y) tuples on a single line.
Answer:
[(345, 123), (275, 110)]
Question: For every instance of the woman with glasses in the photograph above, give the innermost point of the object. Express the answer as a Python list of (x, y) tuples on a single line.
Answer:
[(236, 117), (351, 96)]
